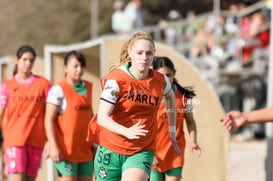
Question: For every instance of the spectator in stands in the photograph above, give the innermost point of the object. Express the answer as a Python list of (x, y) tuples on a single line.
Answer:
[(134, 12), (191, 28), (267, 10), (231, 26), (171, 32), (257, 36), (120, 22), (214, 26), (253, 33), (205, 50)]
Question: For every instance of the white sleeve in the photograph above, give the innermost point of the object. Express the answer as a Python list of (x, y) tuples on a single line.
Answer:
[(167, 85), (110, 92), (55, 96)]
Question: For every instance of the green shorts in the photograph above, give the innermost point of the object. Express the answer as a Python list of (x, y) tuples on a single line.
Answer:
[(68, 168), (109, 165), (158, 176)]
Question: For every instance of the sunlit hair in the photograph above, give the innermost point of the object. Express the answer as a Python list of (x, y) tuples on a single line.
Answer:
[(124, 56), (160, 62), (21, 50)]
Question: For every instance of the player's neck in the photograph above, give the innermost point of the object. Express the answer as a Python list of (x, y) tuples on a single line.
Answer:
[(24, 76)]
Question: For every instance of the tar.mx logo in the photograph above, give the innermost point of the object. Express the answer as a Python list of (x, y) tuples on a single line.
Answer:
[(192, 101)]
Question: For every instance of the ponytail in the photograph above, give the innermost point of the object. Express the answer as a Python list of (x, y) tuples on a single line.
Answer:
[(15, 70), (187, 91), (123, 57)]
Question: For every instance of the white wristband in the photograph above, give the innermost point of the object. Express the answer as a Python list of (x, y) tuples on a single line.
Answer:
[(172, 129)]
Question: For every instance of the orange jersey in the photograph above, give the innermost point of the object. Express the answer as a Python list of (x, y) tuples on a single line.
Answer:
[(167, 157), (137, 100), (71, 125), (25, 113)]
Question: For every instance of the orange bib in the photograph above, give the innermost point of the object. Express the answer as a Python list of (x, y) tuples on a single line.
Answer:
[(25, 113), (72, 125), (138, 100), (165, 153)]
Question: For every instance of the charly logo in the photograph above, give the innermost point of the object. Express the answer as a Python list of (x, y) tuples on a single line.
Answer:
[(141, 97), (102, 172), (82, 107), (28, 98), (191, 101)]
